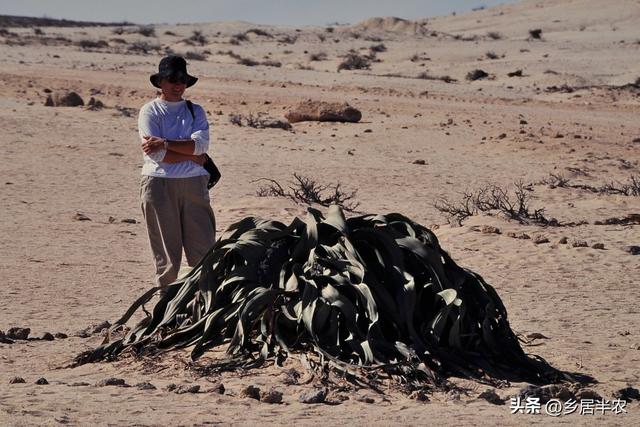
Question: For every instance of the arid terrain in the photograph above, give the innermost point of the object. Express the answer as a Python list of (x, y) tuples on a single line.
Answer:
[(557, 112)]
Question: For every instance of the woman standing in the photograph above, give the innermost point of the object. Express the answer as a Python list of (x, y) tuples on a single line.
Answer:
[(174, 136)]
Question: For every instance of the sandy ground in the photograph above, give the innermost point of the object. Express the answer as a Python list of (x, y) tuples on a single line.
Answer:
[(63, 275)]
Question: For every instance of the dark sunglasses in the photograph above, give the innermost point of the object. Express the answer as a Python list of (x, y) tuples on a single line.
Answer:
[(177, 79)]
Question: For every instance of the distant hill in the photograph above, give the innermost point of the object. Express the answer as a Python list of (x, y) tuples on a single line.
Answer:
[(27, 21)]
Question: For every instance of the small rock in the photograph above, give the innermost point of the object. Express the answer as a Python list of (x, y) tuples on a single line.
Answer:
[(118, 382), (217, 388), (100, 326), (69, 99), (251, 392), (79, 384), (171, 387), (579, 244), (516, 73), (563, 240), (588, 394), (490, 229), (272, 396), (81, 217), (42, 381), (4, 339), (546, 393), (419, 162), (502, 136), (632, 249), (314, 396), (492, 397), (129, 221), (187, 388), (598, 246), (145, 386), (17, 380), (518, 235), (367, 131), (321, 111), (419, 395), (539, 239), (476, 74), (365, 399), (47, 337), (523, 122), (60, 335), (627, 394), (18, 333)]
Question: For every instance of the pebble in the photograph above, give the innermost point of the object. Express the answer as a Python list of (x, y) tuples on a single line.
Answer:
[(145, 386), (17, 380), (119, 382), (272, 396), (187, 388), (250, 392), (563, 240), (632, 249), (419, 395), (598, 246), (492, 397), (539, 239), (314, 396), (518, 235), (47, 337), (18, 333), (490, 229), (627, 394), (42, 381), (579, 244)]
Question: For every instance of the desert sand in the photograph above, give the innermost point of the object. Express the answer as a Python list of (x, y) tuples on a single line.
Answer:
[(573, 112)]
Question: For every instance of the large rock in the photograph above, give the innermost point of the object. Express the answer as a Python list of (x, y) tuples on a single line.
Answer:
[(69, 99), (321, 111)]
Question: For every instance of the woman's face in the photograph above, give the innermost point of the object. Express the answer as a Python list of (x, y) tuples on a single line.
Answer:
[(172, 88)]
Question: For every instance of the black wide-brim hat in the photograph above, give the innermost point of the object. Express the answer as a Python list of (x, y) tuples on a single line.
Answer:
[(172, 66)]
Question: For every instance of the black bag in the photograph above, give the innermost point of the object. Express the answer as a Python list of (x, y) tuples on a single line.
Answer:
[(209, 165)]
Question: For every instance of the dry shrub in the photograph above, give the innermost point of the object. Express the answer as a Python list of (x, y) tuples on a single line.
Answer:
[(198, 38), (353, 61), (236, 39), (143, 47), (426, 76), (535, 34), (259, 32), (493, 198), (305, 190), (147, 31), (476, 75), (320, 56), (287, 39), (92, 44), (630, 188), (195, 56)]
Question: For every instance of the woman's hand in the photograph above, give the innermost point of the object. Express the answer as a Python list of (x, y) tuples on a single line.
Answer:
[(152, 143)]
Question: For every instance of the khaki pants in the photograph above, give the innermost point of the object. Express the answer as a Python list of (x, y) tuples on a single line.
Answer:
[(178, 215)]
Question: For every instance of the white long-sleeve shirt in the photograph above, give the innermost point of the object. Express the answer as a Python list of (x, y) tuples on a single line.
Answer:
[(173, 121)]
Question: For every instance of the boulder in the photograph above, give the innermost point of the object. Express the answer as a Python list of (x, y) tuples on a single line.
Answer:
[(59, 99), (321, 111)]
